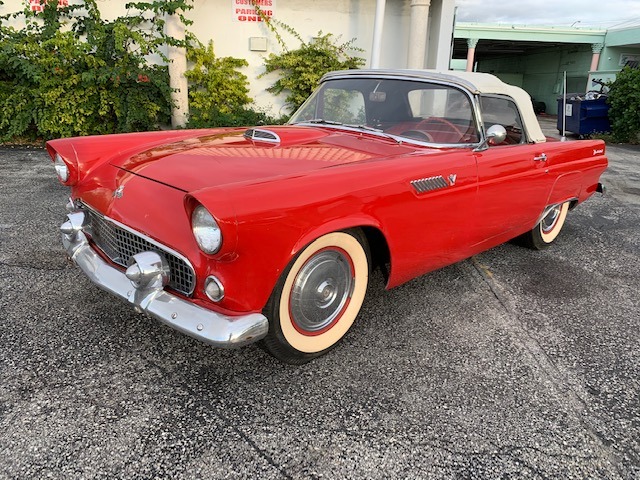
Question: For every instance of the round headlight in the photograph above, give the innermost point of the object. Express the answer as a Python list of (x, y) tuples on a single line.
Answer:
[(205, 230), (61, 168)]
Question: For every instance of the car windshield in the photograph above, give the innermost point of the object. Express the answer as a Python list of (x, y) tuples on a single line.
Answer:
[(427, 112)]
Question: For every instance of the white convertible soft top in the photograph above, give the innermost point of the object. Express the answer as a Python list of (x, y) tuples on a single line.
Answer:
[(475, 82)]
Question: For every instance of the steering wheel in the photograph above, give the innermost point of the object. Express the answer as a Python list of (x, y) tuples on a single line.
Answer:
[(417, 135), (447, 123)]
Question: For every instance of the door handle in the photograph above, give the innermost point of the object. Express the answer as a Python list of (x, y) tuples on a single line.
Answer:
[(540, 158)]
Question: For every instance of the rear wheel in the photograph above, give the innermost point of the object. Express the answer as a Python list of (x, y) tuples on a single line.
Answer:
[(318, 297), (545, 232)]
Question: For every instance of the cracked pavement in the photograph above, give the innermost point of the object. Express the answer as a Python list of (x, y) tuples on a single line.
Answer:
[(513, 363)]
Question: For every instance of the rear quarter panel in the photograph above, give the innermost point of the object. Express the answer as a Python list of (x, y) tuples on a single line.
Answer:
[(575, 168)]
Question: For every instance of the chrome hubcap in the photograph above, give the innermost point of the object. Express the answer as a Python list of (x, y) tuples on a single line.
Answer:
[(321, 290), (550, 220)]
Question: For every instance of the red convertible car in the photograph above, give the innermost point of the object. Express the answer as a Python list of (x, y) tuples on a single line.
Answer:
[(237, 235)]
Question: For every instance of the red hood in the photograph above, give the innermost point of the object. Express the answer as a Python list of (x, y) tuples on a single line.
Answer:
[(229, 157)]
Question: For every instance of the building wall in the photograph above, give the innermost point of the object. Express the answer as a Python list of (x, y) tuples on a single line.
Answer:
[(347, 19), (219, 21), (620, 46), (440, 34), (544, 73), (541, 73), (613, 58)]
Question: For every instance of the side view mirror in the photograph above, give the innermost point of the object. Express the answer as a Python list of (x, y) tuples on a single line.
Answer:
[(496, 134)]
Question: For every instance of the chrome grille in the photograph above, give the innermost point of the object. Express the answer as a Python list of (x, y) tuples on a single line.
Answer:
[(120, 244)]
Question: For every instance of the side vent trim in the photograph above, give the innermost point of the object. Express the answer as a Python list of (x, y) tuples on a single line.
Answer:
[(428, 184), (259, 135)]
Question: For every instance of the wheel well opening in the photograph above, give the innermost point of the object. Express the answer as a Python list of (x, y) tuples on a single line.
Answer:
[(379, 250)]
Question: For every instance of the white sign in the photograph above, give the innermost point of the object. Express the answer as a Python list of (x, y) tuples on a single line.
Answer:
[(568, 110), (252, 10), (38, 5)]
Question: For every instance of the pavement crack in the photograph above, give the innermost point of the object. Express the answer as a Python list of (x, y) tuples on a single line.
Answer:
[(514, 325), (229, 424), (519, 331)]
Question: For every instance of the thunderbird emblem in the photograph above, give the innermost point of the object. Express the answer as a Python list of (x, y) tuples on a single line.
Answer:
[(452, 179), (118, 192)]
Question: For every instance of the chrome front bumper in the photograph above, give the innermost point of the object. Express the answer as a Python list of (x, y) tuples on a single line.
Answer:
[(205, 325)]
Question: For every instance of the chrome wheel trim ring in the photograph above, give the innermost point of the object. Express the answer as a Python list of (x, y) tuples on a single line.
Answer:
[(551, 225), (549, 222), (321, 291), (313, 342)]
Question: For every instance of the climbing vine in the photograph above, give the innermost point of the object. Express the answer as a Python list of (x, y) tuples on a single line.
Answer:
[(300, 70)]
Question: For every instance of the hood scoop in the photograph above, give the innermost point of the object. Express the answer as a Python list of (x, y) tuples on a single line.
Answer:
[(260, 135)]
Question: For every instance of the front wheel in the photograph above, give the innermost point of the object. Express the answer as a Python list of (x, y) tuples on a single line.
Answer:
[(318, 297), (545, 232)]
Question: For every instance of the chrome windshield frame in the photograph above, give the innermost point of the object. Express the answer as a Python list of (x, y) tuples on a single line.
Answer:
[(355, 74)]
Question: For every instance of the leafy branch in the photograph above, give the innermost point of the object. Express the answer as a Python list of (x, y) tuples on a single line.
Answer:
[(624, 106), (300, 70)]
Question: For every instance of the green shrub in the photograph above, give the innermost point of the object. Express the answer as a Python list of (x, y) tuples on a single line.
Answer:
[(215, 85), (68, 72), (218, 92), (624, 106), (239, 117)]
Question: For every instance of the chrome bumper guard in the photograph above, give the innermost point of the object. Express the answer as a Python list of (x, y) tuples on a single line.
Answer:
[(151, 298)]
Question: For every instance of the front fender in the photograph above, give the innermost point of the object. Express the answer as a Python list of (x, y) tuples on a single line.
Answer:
[(352, 221), (275, 220), (85, 153)]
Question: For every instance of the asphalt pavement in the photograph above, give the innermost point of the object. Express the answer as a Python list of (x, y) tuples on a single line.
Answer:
[(511, 364)]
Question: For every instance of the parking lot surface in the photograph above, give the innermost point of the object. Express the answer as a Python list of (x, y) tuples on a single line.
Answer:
[(511, 364)]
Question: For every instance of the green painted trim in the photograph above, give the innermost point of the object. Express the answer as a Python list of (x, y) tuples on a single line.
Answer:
[(624, 37), (529, 33)]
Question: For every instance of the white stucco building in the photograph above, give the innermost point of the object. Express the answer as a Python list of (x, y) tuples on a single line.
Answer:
[(391, 34)]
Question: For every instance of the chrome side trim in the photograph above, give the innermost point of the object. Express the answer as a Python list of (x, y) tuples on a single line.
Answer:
[(205, 325), (428, 184)]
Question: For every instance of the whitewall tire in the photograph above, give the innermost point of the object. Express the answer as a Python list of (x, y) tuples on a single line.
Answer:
[(318, 297), (548, 229)]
